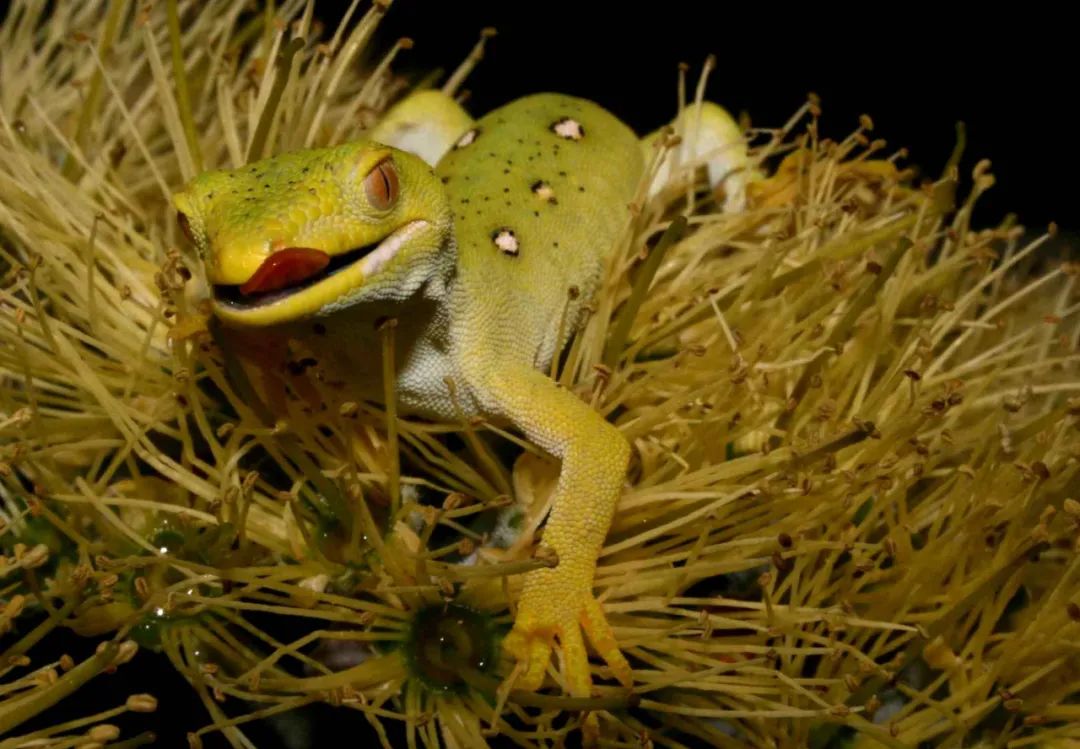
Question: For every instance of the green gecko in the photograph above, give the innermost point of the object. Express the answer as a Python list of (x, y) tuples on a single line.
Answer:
[(487, 263)]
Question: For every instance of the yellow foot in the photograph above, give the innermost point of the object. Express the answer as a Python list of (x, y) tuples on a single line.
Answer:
[(546, 614)]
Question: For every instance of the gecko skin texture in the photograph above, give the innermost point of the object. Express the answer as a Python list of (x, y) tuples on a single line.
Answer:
[(482, 261)]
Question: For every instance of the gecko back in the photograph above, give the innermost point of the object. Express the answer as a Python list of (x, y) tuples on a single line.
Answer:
[(540, 191)]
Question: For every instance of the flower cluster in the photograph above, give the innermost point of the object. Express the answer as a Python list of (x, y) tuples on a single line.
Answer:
[(850, 515)]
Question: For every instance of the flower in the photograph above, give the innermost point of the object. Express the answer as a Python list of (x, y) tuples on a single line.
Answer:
[(853, 416)]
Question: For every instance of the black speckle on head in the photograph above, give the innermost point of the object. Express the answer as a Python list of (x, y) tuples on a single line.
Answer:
[(506, 189), (318, 329), (446, 180)]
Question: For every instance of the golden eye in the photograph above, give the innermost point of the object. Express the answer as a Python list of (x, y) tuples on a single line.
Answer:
[(185, 226), (381, 185)]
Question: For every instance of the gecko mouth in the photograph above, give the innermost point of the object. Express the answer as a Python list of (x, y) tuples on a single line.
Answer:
[(286, 280)]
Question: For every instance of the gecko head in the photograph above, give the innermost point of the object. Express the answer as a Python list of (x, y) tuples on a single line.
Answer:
[(310, 233)]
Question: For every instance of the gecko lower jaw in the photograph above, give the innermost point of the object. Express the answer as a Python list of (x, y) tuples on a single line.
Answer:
[(370, 258)]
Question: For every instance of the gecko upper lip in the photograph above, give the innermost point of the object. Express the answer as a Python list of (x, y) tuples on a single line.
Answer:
[(381, 251)]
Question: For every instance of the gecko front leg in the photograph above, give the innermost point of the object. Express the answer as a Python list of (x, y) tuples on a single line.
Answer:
[(557, 604)]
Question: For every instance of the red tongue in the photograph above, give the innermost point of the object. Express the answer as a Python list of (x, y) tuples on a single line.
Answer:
[(285, 268)]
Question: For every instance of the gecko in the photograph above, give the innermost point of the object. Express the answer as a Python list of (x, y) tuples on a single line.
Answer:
[(485, 241)]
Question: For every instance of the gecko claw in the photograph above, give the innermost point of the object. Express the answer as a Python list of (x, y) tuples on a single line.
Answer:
[(545, 619)]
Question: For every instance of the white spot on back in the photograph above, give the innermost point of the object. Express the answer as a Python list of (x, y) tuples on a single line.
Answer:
[(506, 241), (467, 138), (569, 128), (544, 191)]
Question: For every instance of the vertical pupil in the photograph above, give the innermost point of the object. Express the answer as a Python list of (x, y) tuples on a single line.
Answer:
[(381, 185), (386, 183)]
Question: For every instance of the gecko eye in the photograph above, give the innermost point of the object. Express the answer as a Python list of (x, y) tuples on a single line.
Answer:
[(185, 226), (381, 185)]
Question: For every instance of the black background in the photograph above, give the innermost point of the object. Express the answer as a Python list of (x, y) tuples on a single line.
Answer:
[(1010, 75)]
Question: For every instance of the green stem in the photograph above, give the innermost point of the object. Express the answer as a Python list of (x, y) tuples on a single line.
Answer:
[(93, 96), (34, 636), (843, 328), (183, 100), (326, 499), (489, 684), (284, 65), (642, 281), (143, 739), (390, 397), (18, 711)]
